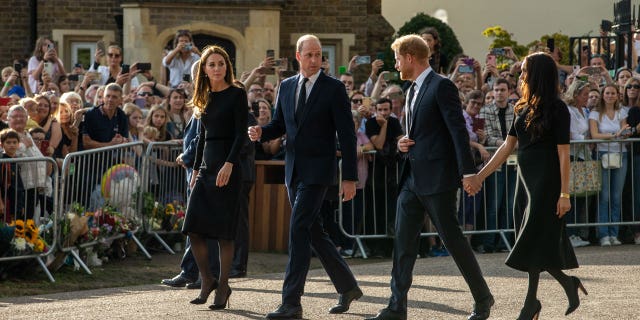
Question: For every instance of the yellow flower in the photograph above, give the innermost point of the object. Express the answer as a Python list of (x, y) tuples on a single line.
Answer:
[(39, 246), (169, 209), (19, 229)]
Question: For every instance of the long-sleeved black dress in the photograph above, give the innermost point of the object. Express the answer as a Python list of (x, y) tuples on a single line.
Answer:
[(212, 210), (542, 242)]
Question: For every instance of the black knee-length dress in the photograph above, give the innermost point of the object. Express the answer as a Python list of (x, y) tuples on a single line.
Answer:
[(542, 241), (211, 210)]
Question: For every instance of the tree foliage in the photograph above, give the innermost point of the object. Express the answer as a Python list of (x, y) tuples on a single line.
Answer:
[(502, 38)]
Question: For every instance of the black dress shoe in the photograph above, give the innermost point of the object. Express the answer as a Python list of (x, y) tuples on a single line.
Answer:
[(388, 314), (195, 285), (177, 281), (345, 299), (482, 310), (286, 311), (237, 274)]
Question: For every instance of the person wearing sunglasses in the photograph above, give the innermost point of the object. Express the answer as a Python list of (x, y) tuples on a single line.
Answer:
[(113, 71)]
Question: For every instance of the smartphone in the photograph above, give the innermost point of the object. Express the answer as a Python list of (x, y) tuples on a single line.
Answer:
[(363, 60), (497, 51), (48, 67), (51, 46), (478, 124), (186, 77), (551, 44), (391, 76), (626, 132), (592, 71), (380, 56), (463, 68), (17, 67), (101, 46), (140, 102), (270, 54), (281, 63), (73, 77), (44, 145), (125, 68), (144, 66)]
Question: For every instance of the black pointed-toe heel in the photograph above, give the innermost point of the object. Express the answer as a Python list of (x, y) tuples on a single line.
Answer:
[(530, 313), (202, 300), (574, 297), (222, 305)]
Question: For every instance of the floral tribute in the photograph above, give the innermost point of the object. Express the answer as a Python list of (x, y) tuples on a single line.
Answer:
[(25, 238), (169, 217)]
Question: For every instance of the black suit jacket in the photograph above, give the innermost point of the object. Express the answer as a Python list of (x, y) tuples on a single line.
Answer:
[(441, 154), (311, 144)]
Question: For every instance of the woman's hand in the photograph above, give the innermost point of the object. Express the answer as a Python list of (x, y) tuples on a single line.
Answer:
[(223, 175), (194, 177), (563, 206)]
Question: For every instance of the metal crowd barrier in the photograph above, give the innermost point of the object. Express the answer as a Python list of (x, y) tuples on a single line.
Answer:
[(28, 194), (371, 224), (104, 184), (164, 181)]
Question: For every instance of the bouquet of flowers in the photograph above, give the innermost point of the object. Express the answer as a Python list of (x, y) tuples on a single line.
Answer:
[(26, 238)]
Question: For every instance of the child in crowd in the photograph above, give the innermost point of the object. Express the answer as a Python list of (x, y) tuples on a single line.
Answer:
[(11, 188)]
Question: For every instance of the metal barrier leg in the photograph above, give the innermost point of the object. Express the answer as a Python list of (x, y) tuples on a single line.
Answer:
[(504, 239), (361, 248), (80, 262), (164, 244), (45, 269), (140, 246)]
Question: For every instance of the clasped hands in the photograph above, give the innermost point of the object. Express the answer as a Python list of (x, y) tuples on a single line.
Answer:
[(472, 184)]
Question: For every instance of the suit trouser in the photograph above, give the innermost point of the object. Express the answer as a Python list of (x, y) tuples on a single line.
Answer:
[(441, 208), (306, 233), (241, 249)]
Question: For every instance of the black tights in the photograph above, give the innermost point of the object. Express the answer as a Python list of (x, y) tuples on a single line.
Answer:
[(201, 255), (534, 277)]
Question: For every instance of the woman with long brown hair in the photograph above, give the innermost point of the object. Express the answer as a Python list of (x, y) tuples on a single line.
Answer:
[(541, 131), (216, 181)]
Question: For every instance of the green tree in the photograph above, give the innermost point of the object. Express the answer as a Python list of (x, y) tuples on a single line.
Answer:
[(561, 41), (449, 44), (502, 38)]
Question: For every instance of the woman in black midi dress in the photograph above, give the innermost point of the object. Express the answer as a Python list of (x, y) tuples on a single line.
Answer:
[(216, 180), (541, 131)]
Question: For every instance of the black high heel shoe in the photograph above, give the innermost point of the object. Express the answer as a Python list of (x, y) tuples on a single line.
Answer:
[(574, 300), (222, 305), (203, 300), (530, 313)]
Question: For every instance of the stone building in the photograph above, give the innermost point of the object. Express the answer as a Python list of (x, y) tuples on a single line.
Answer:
[(145, 28)]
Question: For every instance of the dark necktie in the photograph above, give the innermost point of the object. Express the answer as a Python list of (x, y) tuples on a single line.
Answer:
[(302, 100), (409, 114)]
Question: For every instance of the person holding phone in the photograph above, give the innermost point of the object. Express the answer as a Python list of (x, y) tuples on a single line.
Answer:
[(114, 71), (181, 58), (44, 57)]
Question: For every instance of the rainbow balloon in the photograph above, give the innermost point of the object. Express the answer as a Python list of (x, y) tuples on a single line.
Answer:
[(116, 174)]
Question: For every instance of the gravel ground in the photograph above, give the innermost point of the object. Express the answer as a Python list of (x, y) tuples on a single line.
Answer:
[(611, 275)]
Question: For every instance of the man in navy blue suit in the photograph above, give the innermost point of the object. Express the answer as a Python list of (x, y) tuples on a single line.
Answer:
[(310, 108), (437, 157)]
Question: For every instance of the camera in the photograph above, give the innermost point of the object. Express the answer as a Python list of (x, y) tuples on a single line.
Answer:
[(188, 47)]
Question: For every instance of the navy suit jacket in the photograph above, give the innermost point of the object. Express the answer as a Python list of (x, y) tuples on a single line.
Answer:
[(441, 154), (311, 144), (190, 141)]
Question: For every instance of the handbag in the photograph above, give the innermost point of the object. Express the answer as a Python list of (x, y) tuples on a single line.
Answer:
[(611, 160), (584, 178)]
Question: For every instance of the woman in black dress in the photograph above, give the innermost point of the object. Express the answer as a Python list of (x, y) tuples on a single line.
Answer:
[(541, 131), (216, 181)]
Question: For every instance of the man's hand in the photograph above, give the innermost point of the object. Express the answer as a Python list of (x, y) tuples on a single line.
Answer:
[(179, 160), (405, 143), (472, 184), (194, 177), (348, 190), (381, 120), (255, 132)]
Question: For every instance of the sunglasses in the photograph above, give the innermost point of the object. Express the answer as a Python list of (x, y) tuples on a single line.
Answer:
[(144, 94), (633, 86), (356, 101), (113, 55)]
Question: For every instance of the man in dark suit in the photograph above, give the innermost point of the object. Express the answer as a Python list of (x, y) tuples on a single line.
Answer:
[(310, 108), (437, 156)]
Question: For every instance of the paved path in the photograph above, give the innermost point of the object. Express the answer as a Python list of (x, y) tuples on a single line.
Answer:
[(611, 275)]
